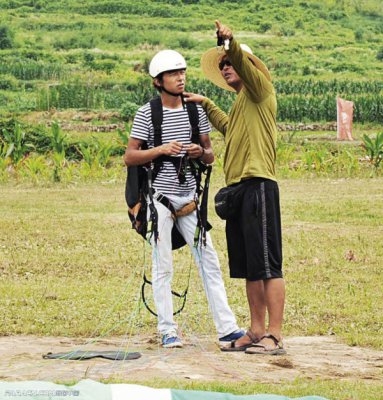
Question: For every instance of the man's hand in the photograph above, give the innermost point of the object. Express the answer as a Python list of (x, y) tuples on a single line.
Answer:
[(196, 98), (170, 149), (194, 150), (223, 31)]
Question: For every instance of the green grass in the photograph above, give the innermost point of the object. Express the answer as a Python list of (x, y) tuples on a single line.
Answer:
[(71, 266), (332, 231), (68, 257)]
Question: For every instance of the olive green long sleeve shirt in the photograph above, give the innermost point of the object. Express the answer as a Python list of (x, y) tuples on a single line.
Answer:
[(250, 129)]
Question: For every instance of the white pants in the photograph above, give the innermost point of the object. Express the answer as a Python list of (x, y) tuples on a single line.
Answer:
[(206, 260)]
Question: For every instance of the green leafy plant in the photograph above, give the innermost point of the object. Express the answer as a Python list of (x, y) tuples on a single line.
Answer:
[(4, 161), (128, 111), (96, 153), (35, 168), (123, 137), (104, 154), (88, 153), (4, 149), (58, 139), (17, 145), (58, 143), (374, 149)]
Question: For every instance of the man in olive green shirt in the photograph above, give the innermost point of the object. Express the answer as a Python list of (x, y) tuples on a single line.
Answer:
[(253, 234)]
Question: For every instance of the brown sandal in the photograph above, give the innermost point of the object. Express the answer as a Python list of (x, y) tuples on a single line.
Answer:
[(259, 348), (233, 347)]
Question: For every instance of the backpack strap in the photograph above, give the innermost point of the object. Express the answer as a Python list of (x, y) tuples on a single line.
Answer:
[(194, 121), (157, 118), (198, 168)]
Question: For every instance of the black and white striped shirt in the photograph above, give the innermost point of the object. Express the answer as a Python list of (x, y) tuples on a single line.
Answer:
[(175, 126)]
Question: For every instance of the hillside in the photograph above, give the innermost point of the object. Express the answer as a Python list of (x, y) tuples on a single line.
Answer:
[(93, 54)]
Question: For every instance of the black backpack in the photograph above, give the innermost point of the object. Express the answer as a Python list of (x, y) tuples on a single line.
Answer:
[(140, 177)]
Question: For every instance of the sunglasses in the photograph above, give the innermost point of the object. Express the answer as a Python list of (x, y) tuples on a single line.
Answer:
[(223, 63)]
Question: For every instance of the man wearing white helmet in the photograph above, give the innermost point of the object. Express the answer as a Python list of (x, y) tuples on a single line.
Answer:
[(253, 230), (168, 70)]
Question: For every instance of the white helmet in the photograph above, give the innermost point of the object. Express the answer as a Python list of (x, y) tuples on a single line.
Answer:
[(166, 60)]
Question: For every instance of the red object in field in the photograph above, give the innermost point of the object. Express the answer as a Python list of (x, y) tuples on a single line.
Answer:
[(345, 109)]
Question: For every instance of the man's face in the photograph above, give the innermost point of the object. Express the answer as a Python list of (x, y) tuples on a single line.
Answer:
[(228, 72), (174, 81)]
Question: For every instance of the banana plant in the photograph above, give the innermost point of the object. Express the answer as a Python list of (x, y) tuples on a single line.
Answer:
[(374, 148), (15, 142), (58, 139), (59, 144), (96, 153), (4, 149)]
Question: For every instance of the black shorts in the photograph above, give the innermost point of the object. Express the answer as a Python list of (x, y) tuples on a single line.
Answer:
[(253, 234)]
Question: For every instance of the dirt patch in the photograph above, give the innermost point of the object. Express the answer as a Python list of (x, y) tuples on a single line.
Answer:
[(200, 359)]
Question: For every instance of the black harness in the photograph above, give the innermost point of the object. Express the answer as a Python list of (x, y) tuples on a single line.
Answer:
[(180, 163), (136, 176), (197, 168)]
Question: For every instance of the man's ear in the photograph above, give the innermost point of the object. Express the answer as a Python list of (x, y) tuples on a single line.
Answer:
[(157, 82)]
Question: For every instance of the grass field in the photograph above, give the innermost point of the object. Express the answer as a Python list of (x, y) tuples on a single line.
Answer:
[(71, 266), (69, 258)]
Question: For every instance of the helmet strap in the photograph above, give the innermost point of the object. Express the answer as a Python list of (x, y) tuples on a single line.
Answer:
[(168, 92)]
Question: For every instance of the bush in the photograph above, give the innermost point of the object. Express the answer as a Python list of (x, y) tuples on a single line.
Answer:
[(187, 42), (128, 111), (264, 27), (6, 38), (8, 82), (358, 35)]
